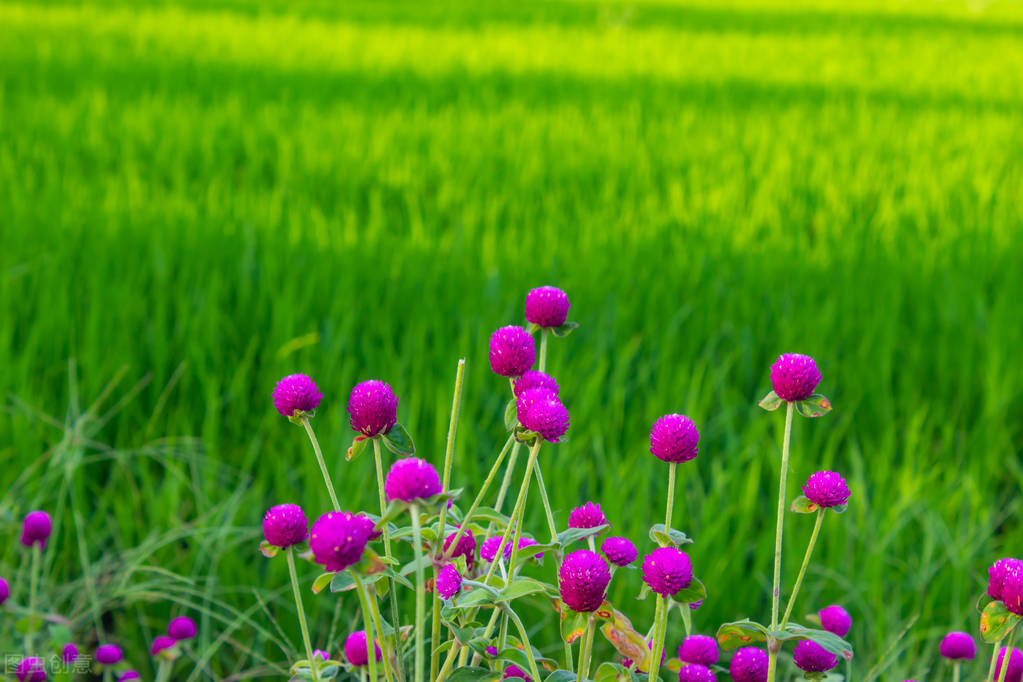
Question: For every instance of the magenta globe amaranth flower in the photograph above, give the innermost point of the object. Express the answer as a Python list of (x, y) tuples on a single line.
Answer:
[(529, 542), (5, 591), (530, 397), (958, 646), (69, 653), (811, 657), (514, 671), (356, 650), (1012, 592), (997, 573), (694, 672), (129, 675), (338, 539), (488, 550), (466, 547), (372, 408), (411, 479), (667, 570), (285, 525), (673, 438), (182, 628), (1014, 673), (835, 620), (31, 669), (619, 551), (547, 417), (588, 515), (794, 377), (161, 643), (296, 393), (321, 654), (533, 379), (36, 529), (109, 654), (582, 580), (699, 649), (749, 664), (449, 582), (826, 489), (547, 306), (512, 351)]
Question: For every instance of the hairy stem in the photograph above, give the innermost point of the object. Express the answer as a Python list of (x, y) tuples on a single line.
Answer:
[(533, 670), (385, 643), (371, 653), (1008, 654), (994, 662), (772, 652), (479, 498), (417, 546), (530, 467), (33, 589), (323, 464), (290, 553), (392, 598), (543, 349), (802, 569), (509, 472)]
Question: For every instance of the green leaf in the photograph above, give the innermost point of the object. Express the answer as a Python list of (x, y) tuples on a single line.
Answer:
[(268, 550), (399, 441), (982, 601), (560, 676), (814, 406), (573, 624), (740, 633), (516, 656), (695, 592), (567, 537), (770, 402), (996, 621), (611, 672), (839, 508), (511, 416), (533, 550), (803, 505), (521, 587), (490, 515), (357, 447), (474, 598), (322, 581), (669, 538), (474, 674), (564, 330), (828, 640)]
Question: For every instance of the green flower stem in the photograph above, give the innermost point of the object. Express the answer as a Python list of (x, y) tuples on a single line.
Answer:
[(1008, 652), (520, 503), (449, 661), (669, 507), (802, 569), (533, 670), (543, 349), (508, 473), (955, 671), (371, 636), (290, 553), (417, 545), (390, 655), (378, 459), (479, 498), (585, 651), (660, 629), (530, 467), (456, 403), (33, 589), (772, 651), (323, 464), (162, 670), (994, 662), (546, 504), (108, 674)]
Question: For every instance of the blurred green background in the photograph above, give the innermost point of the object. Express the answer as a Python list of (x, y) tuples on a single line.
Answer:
[(205, 196)]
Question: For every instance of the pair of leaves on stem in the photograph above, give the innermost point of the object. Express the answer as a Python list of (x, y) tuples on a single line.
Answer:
[(745, 632), (996, 621), (803, 505), (814, 406), (397, 440), (560, 332)]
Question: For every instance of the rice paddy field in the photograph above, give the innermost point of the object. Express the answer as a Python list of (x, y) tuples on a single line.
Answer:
[(197, 198)]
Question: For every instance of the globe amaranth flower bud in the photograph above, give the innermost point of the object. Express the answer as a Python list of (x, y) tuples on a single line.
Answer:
[(667, 570), (296, 393), (36, 529), (547, 306), (811, 657), (109, 654), (1014, 673), (619, 551), (582, 580), (5, 591), (514, 671), (321, 654), (411, 479), (372, 408), (285, 525), (826, 489), (356, 650), (129, 675), (182, 628), (673, 438), (338, 539), (161, 643), (512, 351), (794, 377), (547, 417), (31, 669), (997, 573), (466, 547), (69, 653), (958, 646), (749, 664), (699, 649), (532, 379), (694, 672), (588, 515), (449, 582), (835, 620)]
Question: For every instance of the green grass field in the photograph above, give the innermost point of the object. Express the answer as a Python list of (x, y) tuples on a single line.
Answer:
[(211, 195)]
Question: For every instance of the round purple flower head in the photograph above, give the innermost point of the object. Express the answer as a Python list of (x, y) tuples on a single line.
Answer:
[(958, 646), (583, 580), (673, 438), (36, 529), (411, 479), (997, 573), (128, 675), (515, 671), (69, 654), (1015, 670), (588, 515), (161, 643), (619, 551), (321, 654), (183, 627), (694, 672), (491, 650), (547, 306), (512, 351), (1012, 592), (30, 670), (529, 397), (372, 408), (749, 664), (5, 591), (826, 489), (547, 417), (794, 377), (835, 620), (296, 393), (449, 582), (109, 654), (356, 650), (285, 525), (667, 570), (528, 542), (337, 539), (488, 551), (466, 547), (699, 649), (534, 379), (811, 657)]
